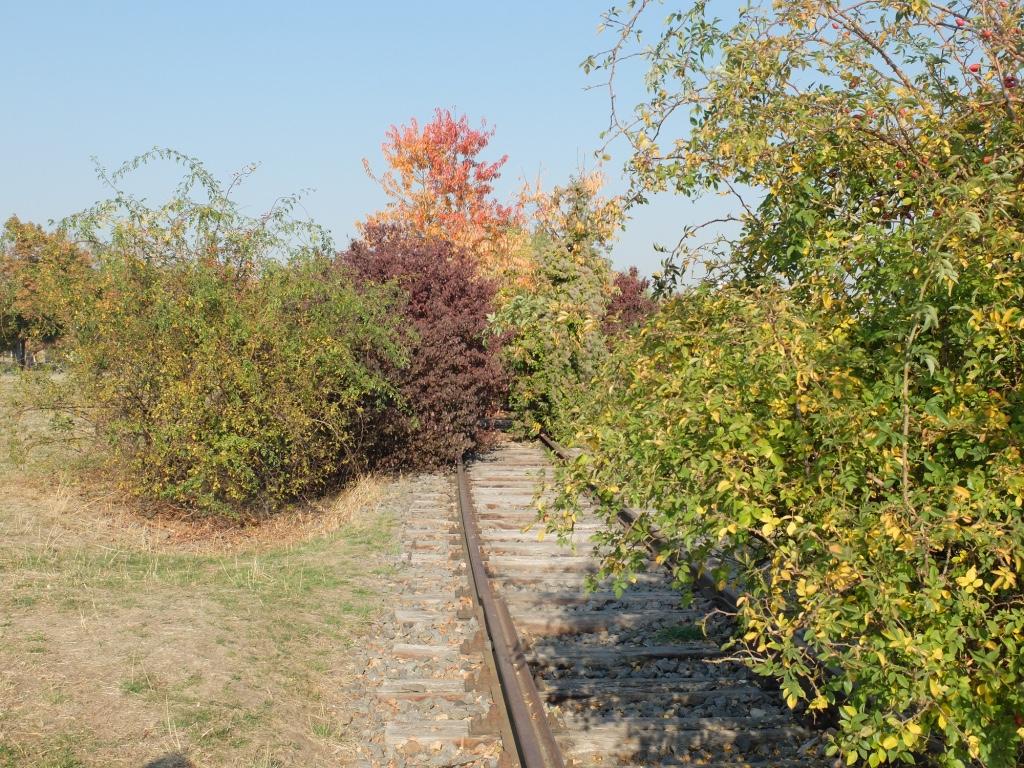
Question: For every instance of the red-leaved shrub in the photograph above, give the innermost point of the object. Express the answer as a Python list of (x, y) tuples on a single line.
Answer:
[(454, 378), (631, 302)]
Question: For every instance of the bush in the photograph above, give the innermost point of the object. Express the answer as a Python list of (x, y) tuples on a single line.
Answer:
[(454, 377), (838, 410), (631, 303), (747, 427), (223, 360), (554, 341)]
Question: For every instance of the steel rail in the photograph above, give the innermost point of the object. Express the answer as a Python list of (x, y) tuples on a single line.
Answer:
[(534, 742)]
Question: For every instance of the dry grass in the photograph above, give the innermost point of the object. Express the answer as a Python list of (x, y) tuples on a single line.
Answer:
[(123, 639)]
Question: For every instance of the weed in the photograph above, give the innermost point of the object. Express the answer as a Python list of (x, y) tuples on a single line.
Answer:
[(323, 730), (8, 757), (136, 686), (680, 633)]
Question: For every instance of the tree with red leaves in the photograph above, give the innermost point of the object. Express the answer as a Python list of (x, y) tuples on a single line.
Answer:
[(454, 377), (439, 187), (631, 302)]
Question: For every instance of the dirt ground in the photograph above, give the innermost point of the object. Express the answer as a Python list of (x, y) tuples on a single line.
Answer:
[(126, 641)]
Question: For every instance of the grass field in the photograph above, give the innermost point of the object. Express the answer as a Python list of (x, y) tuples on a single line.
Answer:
[(125, 641)]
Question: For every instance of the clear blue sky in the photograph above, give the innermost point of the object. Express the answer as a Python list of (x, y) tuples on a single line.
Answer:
[(306, 89)]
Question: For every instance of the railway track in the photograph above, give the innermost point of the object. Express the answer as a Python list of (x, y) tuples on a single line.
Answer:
[(594, 679)]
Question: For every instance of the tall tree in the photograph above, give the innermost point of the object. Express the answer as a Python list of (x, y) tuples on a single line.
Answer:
[(440, 187)]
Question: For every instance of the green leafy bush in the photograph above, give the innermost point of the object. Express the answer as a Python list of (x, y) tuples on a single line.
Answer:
[(837, 410), (553, 329), (753, 429), (225, 362)]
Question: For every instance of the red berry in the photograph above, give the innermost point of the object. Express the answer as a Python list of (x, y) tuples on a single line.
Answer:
[(986, 159), (975, 68), (960, 22), (986, 34), (1010, 81), (834, 25)]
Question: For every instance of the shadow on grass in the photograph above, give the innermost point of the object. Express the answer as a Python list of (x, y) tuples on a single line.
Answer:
[(172, 760)]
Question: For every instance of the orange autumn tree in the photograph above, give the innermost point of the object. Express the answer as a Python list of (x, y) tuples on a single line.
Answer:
[(440, 187)]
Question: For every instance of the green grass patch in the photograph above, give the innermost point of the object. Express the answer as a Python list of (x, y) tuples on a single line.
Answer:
[(680, 633)]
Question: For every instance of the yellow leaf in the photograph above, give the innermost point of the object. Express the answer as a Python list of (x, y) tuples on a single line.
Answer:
[(969, 581), (890, 742)]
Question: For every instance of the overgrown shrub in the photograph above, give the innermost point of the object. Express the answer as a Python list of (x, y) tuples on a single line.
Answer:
[(753, 429), (837, 411), (554, 339), (224, 361), (454, 377)]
